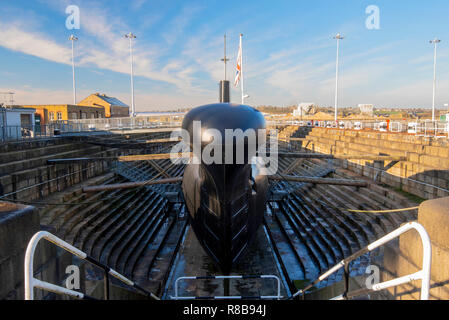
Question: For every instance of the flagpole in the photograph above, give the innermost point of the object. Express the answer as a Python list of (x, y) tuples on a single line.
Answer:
[(241, 66)]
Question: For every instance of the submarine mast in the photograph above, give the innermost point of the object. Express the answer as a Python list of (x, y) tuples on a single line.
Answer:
[(225, 96)]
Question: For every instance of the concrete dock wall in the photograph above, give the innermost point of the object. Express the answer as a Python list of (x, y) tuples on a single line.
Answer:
[(23, 166), (18, 223), (424, 173), (406, 257)]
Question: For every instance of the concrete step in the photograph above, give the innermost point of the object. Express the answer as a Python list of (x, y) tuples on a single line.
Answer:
[(31, 144), (12, 156), (123, 250), (71, 196), (25, 164), (79, 232), (119, 236), (145, 238), (35, 176), (108, 228), (88, 238)]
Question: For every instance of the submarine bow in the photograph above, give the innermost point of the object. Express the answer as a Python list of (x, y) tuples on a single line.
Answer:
[(227, 200)]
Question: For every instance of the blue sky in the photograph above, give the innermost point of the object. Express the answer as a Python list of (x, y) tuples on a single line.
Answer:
[(289, 53)]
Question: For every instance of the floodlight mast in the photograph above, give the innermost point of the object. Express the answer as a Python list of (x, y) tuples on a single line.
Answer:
[(434, 42), (338, 37), (73, 39), (131, 36)]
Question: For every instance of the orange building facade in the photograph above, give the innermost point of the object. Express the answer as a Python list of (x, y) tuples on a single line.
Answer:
[(113, 107), (64, 112)]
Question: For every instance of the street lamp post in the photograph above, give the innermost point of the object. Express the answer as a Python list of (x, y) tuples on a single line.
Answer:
[(73, 39), (434, 42), (338, 37), (131, 36)]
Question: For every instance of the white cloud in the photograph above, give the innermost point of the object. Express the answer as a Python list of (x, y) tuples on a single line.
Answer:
[(186, 67), (105, 49), (33, 43), (27, 95)]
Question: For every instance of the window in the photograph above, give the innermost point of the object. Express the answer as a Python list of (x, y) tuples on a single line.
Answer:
[(52, 116), (59, 115)]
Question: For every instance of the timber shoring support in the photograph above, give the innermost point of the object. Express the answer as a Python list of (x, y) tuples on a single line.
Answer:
[(302, 155), (292, 166), (158, 168), (131, 185), (293, 155), (315, 180), (130, 158)]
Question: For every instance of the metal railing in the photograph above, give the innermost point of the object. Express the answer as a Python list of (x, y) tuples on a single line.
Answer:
[(177, 297), (423, 274), (125, 123), (31, 282), (27, 132), (430, 128), (425, 128)]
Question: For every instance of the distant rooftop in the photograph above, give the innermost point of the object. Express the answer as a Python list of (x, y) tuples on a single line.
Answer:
[(111, 100)]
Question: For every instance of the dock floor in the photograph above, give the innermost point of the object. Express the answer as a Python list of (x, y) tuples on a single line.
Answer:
[(192, 260)]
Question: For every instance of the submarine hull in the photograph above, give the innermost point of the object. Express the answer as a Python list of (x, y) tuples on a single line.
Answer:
[(226, 201), (224, 221)]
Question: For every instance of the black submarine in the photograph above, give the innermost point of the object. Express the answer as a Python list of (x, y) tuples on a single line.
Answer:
[(227, 200)]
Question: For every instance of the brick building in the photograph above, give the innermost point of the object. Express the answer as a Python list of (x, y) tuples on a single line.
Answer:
[(64, 112), (113, 107)]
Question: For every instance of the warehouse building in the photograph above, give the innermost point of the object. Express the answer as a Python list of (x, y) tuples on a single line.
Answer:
[(63, 112), (113, 107)]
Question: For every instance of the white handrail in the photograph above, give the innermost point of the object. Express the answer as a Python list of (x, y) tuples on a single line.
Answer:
[(31, 282), (177, 297), (423, 274)]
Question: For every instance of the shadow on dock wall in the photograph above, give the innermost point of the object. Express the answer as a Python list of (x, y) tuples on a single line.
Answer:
[(406, 256)]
